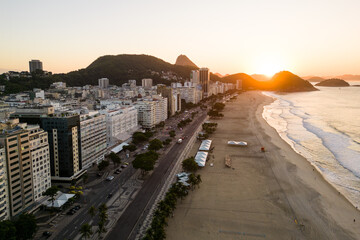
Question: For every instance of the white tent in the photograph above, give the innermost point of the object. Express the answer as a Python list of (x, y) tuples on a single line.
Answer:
[(234, 143), (200, 158), (61, 200), (205, 145), (119, 148)]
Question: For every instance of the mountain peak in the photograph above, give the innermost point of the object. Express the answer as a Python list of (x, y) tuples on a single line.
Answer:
[(183, 60)]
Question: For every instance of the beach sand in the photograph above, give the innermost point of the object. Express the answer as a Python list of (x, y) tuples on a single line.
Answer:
[(272, 195)]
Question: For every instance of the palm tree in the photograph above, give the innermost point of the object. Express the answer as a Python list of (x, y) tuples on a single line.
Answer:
[(198, 180), (92, 211), (86, 231), (101, 228), (192, 180)]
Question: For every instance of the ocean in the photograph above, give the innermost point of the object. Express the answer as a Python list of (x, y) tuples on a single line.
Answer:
[(324, 127)]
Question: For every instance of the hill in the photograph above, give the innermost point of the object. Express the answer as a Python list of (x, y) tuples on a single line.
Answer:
[(120, 68), (183, 60), (283, 81), (260, 77), (334, 82), (349, 77), (288, 82), (315, 79)]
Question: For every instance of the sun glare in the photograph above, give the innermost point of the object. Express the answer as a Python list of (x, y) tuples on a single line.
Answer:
[(269, 66)]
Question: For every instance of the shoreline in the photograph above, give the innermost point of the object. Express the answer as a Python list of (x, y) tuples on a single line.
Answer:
[(292, 145), (271, 195)]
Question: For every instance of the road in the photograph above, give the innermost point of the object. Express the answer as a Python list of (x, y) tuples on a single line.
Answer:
[(95, 198), (129, 219)]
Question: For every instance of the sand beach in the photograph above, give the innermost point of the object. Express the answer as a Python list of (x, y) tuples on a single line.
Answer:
[(276, 194)]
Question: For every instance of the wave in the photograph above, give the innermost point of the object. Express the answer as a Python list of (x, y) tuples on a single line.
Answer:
[(326, 147)]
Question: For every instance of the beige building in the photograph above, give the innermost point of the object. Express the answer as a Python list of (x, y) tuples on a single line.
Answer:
[(4, 201), (92, 138), (147, 83), (19, 168), (40, 157)]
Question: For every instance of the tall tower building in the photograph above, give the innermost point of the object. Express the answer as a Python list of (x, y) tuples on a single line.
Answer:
[(4, 201), (147, 83), (19, 169), (103, 83), (194, 76), (204, 77), (40, 155), (35, 65), (64, 143)]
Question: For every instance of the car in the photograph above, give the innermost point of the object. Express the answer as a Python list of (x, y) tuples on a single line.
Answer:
[(126, 163), (117, 171), (109, 178), (47, 234), (99, 174), (124, 166), (109, 195), (77, 207), (71, 212)]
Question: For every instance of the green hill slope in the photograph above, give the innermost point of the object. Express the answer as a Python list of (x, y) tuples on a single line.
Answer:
[(120, 68)]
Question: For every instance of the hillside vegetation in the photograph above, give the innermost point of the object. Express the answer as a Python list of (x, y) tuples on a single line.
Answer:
[(120, 68)]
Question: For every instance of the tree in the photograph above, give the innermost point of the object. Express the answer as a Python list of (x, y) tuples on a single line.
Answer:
[(86, 231), (145, 161), (7, 230), (167, 141), (172, 133), (130, 147), (104, 164), (139, 137), (101, 228), (51, 192), (192, 180), (85, 177), (92, 211), (198, 180), (219, 106), (155, 144), (190, 165), (26, 226), (115, 158)]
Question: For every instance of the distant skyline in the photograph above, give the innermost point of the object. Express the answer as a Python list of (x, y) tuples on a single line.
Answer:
[(305, 37)]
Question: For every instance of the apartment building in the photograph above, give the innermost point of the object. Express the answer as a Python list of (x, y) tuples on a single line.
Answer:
[(151, 111), (121, 123), (64, 142), (4, 201), (16, 142), (93, 138), (40, 157)]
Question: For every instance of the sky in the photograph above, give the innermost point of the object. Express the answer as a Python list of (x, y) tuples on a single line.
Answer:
[(317, 37)]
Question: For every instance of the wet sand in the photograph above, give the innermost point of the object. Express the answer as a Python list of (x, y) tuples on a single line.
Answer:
[(272, 195)]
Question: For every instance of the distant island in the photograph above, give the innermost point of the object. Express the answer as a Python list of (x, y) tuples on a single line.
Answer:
[(334, 82)]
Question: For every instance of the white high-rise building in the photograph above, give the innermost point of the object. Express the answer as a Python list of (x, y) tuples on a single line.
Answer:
[(103, 83), (40, 157), (152, 111), (4, 201), (147, 83), (121, 123), (195, 76), (92, 138)]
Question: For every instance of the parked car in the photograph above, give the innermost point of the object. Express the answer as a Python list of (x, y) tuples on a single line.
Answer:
[(110, 195), (99, 174), (124, 166), (47, 234), (77, 207), (109, 178)]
